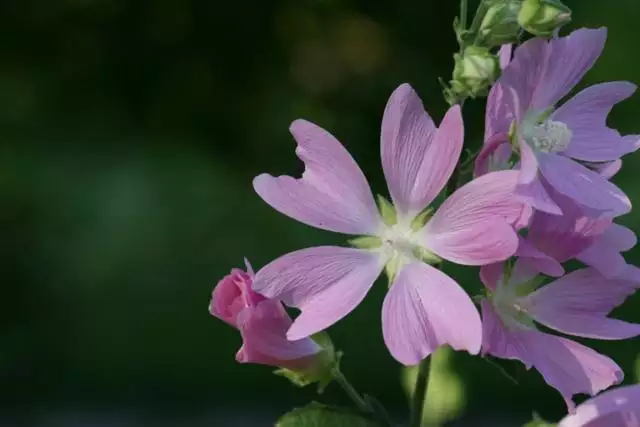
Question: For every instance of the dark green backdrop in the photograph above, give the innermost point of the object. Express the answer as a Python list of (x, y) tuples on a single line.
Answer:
[(129, 135)]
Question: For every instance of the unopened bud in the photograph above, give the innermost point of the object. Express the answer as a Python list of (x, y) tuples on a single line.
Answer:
[(543, 17), (500, 23), (475, 70)]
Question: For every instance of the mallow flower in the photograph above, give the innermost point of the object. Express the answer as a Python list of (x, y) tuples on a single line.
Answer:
[(578, 233), (576, 304), (613, 408), (263, 324), (424, 307), (559, 145)]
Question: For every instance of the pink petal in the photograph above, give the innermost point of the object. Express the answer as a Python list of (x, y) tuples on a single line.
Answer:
[(332, 194), (578, 304), (530, 188), (606, 260), (567, 60), (500, 111), (619, 407), (232, 295), (494, 155), (583, 185), (491, 274), (426, 309), (472, 226), (586, 116), (504, 54), (264, 329), (541, 261), (326, 283), (567, 366), (619, 237), (418, 158)]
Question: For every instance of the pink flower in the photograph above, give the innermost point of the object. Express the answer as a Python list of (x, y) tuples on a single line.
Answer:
[(576, 304), (424, 308), (262, 323), (580, 234), (614, 408), (555, 144)]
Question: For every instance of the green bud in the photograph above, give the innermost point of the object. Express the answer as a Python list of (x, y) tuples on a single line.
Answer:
[(543, 17), (387, 211), (326, 363), (475, 70), (500, 23)]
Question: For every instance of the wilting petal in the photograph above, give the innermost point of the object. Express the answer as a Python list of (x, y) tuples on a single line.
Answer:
[(325, 283), (418, 158), (472, 226), (426, 309), (530, 188), (263, 330), (578, 304), (232, 295), (583, 185), (332, 194), (567, 60), (613, 408), (586, 115)]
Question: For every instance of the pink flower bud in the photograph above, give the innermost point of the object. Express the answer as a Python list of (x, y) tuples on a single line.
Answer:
[(263, 324)]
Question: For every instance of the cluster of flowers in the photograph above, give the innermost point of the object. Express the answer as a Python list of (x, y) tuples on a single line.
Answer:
[(541, 196)]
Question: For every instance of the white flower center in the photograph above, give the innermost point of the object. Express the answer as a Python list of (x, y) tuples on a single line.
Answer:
[(547, 137)]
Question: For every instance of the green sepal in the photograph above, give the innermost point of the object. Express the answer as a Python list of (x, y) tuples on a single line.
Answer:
[(387, 211), (321, 372), (426, 256), (318, 415), (421, 219), (366, 242)]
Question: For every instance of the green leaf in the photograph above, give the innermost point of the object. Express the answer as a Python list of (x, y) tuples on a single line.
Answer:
[(318, 415)]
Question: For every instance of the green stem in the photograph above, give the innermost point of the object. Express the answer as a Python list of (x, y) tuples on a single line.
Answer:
[(351, 391), (420, 393), (463, 14)]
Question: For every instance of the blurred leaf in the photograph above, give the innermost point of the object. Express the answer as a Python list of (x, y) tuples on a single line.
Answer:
[(446, 393), (319, 415), (538, 422)]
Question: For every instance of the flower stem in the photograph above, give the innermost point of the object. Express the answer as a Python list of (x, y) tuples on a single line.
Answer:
[(463, 13), (362, 405), (420, 392)]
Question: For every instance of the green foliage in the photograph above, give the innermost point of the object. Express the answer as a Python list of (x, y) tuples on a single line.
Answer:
[(319, 415)]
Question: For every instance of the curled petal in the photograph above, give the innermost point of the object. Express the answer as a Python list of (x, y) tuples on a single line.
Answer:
[(326, 283), (426, 309), (586, 187), (332, 194), (417, 157)]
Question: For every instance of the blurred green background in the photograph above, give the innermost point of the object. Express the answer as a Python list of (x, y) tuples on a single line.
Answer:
[(130, 132)]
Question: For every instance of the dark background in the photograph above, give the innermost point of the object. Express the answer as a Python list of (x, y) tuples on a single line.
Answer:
[(130, 132)]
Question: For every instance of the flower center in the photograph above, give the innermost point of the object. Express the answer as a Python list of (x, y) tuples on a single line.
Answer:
[(510, 306), (548, 136)]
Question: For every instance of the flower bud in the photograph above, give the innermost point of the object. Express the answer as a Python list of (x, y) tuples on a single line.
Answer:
[(475, 70), (500, 23), (543, 17), (263, 325)]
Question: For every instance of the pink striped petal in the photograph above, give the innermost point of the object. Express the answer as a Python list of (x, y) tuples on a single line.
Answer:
[(494, 156), (566, 61), (263, 330), (472, 226), (604, 259), (586, 116), (326, 283), (531, 189), (417, 157), (565, 365), (539, 260), (613, 408), (426, 309), (583, 185), (578, 304), (491, 274), (332, 194)]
